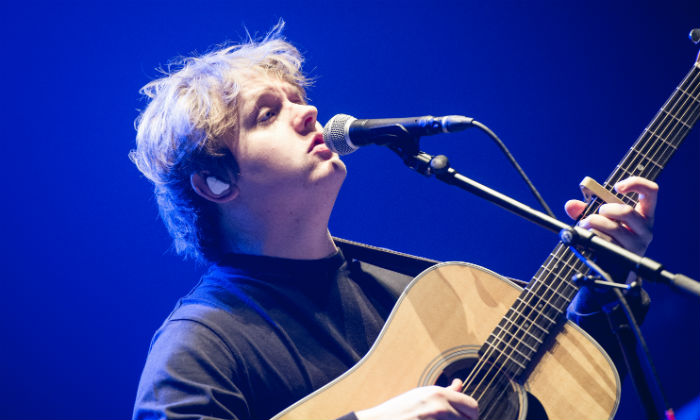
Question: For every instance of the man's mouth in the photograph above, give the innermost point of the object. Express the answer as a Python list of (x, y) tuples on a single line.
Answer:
[(317, 140)]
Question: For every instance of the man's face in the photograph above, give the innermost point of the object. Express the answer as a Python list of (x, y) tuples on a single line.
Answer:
[(280, 149)]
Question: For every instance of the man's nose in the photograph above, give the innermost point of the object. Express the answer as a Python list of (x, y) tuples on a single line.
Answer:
[(305, 121)]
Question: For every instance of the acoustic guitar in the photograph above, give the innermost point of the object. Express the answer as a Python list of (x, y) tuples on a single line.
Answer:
[(511, 346)]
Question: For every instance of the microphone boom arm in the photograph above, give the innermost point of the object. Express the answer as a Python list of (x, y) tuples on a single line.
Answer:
[(426, 164)]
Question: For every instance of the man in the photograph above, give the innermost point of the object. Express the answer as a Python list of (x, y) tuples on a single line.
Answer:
[(244, 182)]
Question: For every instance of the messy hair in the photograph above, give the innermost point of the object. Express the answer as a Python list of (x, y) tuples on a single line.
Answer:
[(191, 109)]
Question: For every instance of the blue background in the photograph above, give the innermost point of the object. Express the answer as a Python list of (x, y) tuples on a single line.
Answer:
[(87, 271)]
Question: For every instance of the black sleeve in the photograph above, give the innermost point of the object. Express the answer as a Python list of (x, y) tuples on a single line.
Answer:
[(188, 375), (589, 309)]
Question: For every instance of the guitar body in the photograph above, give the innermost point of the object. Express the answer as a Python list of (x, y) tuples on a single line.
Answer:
[(438, 325)]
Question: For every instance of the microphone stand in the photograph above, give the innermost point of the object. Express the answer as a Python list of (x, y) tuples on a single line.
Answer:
[(407, 147), (439, 166)]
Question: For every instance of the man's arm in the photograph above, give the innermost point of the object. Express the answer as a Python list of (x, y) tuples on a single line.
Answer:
[(188, 375)]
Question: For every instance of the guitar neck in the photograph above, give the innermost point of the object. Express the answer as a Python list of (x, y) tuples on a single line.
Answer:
[(662, 137), (543, 303)]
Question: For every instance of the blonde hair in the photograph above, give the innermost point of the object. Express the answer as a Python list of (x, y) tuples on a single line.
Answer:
[(181, 131)]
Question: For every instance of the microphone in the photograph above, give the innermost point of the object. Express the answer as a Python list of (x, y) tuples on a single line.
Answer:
[(344, 134)]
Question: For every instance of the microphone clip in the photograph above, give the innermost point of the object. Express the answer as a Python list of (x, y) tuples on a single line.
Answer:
[(421, 162), (408, 149)]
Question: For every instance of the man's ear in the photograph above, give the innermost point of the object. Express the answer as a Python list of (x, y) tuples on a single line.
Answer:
[(212, 188)]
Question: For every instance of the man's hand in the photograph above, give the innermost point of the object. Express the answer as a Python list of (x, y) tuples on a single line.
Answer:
[(430, 402), (629, 227)]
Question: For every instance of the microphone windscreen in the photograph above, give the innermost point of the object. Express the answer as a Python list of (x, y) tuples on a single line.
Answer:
[(335, 134)]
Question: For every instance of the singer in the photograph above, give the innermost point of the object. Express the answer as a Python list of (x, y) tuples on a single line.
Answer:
[(245, 184)]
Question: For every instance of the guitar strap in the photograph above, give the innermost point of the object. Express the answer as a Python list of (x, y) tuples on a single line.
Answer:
[(406, 264), (393, 269)]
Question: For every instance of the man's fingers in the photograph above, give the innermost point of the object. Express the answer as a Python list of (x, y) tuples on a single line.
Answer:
[(620, 234), (627, 215), (574, 208), (648, 194), (464, 404), (456, 385)]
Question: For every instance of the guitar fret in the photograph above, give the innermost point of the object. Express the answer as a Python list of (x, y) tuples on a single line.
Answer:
[(503, 346), (564, 283), (511, 359), (627, 173), (646, 155), (625, 170), (663, 140), (633, 164), (675, 118), (664, 126), (658, 159), (648, 158), (559, 261), (640, 164), (554, 291), (525, 331), (673, 132), (556, 266), (685, 109), (502, 349), (688, 94), (538, 313), (519, 320), (694, 114), (683, 98), (512, 322)]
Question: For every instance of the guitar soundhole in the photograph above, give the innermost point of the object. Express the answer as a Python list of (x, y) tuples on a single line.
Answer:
[(509, 399)]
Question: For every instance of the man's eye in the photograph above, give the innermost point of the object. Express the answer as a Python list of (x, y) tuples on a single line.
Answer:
[(265, 116)]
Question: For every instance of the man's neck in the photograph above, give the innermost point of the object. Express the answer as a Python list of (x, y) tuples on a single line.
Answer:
[(285, 237), (296, 247)]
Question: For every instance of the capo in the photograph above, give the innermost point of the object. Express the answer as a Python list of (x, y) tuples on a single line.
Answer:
[(591, 189)]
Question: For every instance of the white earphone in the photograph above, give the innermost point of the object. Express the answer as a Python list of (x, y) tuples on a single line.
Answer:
[(216, 185)]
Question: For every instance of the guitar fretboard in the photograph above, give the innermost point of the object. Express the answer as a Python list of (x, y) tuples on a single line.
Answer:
[(540, 308)]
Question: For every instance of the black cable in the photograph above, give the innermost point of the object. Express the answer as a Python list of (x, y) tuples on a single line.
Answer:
[(517, 167)]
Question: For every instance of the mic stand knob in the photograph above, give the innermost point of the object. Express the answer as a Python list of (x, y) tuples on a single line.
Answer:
[(439, 165)]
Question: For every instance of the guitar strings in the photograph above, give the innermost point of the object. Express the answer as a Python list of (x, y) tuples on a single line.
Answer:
[(660, 132), (498, 381), (679, 135), (536, 287), (687, 121), (540, 284), (537, 284)]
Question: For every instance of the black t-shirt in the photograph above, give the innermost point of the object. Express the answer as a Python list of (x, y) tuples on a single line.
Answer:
[(259, 333)]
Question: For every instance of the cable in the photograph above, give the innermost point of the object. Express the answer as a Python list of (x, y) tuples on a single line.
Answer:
[(517, 167)]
